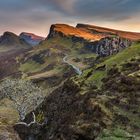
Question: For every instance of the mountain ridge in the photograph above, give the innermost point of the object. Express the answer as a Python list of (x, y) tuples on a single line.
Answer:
[(126, 34), (11, 39), (67, 30), (96, 41)]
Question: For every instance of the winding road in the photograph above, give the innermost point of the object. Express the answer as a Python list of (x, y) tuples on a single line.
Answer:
[(77, 70)]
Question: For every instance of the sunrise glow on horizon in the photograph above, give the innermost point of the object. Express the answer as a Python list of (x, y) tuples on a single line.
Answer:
[(36, 16)]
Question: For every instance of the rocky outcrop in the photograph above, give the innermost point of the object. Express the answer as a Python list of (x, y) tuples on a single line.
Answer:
[(77, 35), (107, 31), (102, 42), (108, 46), (8, 133), (94, 30)]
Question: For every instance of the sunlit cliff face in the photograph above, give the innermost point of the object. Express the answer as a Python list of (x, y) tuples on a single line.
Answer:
[(37, 15)]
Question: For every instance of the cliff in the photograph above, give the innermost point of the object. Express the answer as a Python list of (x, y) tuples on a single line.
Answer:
[(108, 45), (107, 31), (64, 30)]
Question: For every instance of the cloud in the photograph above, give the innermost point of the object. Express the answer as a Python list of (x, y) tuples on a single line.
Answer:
[(64, 5), (112, 10), (38, 15)]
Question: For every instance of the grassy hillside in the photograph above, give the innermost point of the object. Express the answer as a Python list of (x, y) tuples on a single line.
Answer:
[(126, 55), (85, 111), (46, 60), (11, 46), (12, 41)]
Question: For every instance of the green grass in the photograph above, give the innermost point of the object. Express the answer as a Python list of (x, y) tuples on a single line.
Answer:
[(65, 43), (134, 119), (125, 55), (56, 45), (30, 66), (116, 134), (96, 78), (83, 55)]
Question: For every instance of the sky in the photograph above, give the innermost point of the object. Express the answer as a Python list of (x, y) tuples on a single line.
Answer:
[(36, 16)]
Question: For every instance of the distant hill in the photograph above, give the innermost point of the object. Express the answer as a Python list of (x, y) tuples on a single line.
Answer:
[(31, 38), (11, 47), (9, 39)]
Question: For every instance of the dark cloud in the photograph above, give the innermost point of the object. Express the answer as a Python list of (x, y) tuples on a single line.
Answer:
[(107, 9), (97, 9), (81, 7)]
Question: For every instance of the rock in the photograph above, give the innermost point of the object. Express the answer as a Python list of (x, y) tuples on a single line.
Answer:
[(77, 35), (8, 133), (108, 46)]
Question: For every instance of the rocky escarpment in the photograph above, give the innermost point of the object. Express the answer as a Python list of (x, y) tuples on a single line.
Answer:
[(77, 35), (107, 31), (108, 46), (94, 30), (103, 43)]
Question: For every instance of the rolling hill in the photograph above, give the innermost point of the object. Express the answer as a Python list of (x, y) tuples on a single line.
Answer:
[(31, 38), (9, 39)]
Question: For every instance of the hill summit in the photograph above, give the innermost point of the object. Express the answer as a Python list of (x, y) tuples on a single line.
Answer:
[(10, 39), (67, 30)]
